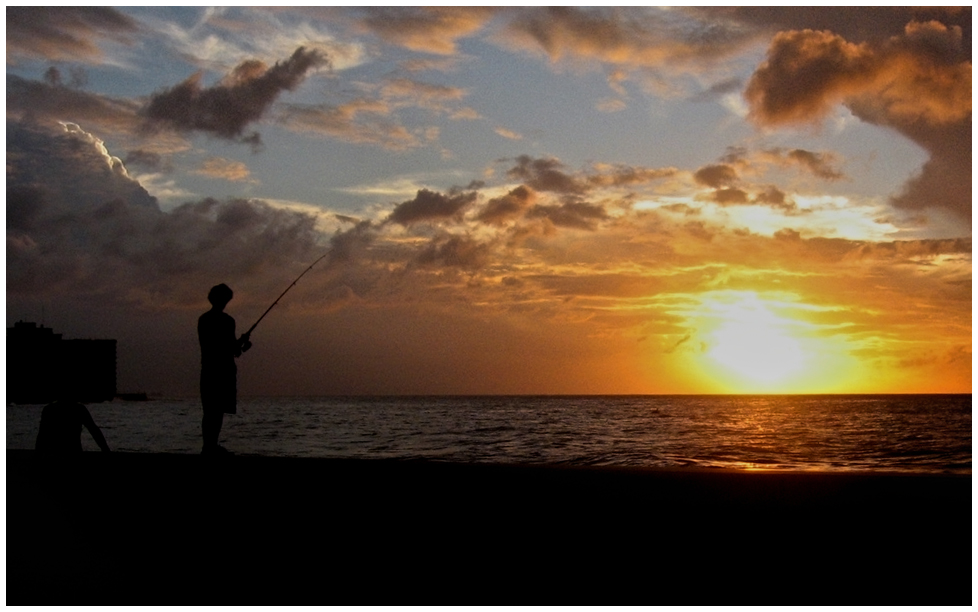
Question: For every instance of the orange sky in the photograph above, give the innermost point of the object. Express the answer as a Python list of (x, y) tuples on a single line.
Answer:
[(640, 200)]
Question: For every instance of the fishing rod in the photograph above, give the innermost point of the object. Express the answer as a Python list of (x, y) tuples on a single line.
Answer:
[(248, 333)]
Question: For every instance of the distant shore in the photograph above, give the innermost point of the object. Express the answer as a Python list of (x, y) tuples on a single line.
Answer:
[(143, 529)]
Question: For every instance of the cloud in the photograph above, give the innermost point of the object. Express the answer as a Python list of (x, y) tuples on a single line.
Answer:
[(61, 33), (909, 250), (70, 165), (36, 100), (718, 90), (819, 164), (78, 224), (229, 107), (772, 196), (360, 121), (575, 215), (131, 253), (80, 220), (544, 175), (346, 246), (917, 83), (944, 181), (425, 29), (617, 175), (218, 37), (510, 134), (631, 37), (440, 99), (511, 206), (456, 251), (149, 160), (856, 23), (78, 77), (916, 76), (549, 175), (565, 207), (822, 164), (227, 169), (430, 206), (730, 195), (805, 73), (716, 176), (422, 95), (372, 118)]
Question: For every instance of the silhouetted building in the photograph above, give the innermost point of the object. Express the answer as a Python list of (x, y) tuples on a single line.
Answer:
[(40, 363)]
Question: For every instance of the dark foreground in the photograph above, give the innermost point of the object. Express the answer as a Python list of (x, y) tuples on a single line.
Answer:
[(181, 529)]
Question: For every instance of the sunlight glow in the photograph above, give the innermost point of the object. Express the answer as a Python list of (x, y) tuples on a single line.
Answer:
[(755, 344), (747, 343)]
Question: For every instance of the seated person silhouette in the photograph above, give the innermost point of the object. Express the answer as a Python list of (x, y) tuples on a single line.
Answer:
[(61, 427)]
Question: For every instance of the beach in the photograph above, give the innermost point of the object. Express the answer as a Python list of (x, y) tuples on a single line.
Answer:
[(172, 529)]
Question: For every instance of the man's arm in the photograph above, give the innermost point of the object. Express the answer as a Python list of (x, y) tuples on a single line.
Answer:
[(93, 429)]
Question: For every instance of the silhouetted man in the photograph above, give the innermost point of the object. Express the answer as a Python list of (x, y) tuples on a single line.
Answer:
[(219, 346), (61, 427)]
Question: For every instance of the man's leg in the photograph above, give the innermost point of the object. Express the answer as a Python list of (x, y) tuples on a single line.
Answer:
[(210, 426)]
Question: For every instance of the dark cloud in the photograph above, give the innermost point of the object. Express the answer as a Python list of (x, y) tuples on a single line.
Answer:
[(908, 250), (576, 215), (716, 176), (917, 76), (624, 176), (944, 181), (36, 100), (431, 205), (832, 251), (77, 78), (541, 175), (774, 197), (457, 252), (918, 83), (70, 165), (152, 257), (805, 72), (78, 225), (550, 175), (498, 211), (819, 164), (241, 98), (730, 195), (544, 175), (64, 33), (822, 164), (25, 203), (348, 245), (146, 159)]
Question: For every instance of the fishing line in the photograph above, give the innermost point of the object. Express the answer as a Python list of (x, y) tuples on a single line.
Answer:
[(284, 292)]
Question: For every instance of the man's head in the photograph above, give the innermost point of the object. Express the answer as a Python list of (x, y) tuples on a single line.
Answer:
[(220, 295)]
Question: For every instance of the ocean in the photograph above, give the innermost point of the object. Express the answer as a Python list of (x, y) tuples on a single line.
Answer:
[(906, 433)]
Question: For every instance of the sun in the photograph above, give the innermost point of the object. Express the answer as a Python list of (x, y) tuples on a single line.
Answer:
[(746, 343), (755, 344)]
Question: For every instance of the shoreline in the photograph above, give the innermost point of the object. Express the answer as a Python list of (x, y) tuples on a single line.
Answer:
[(144, 529)]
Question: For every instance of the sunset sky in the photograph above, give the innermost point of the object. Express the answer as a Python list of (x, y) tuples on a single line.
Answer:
[(513, 200)]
